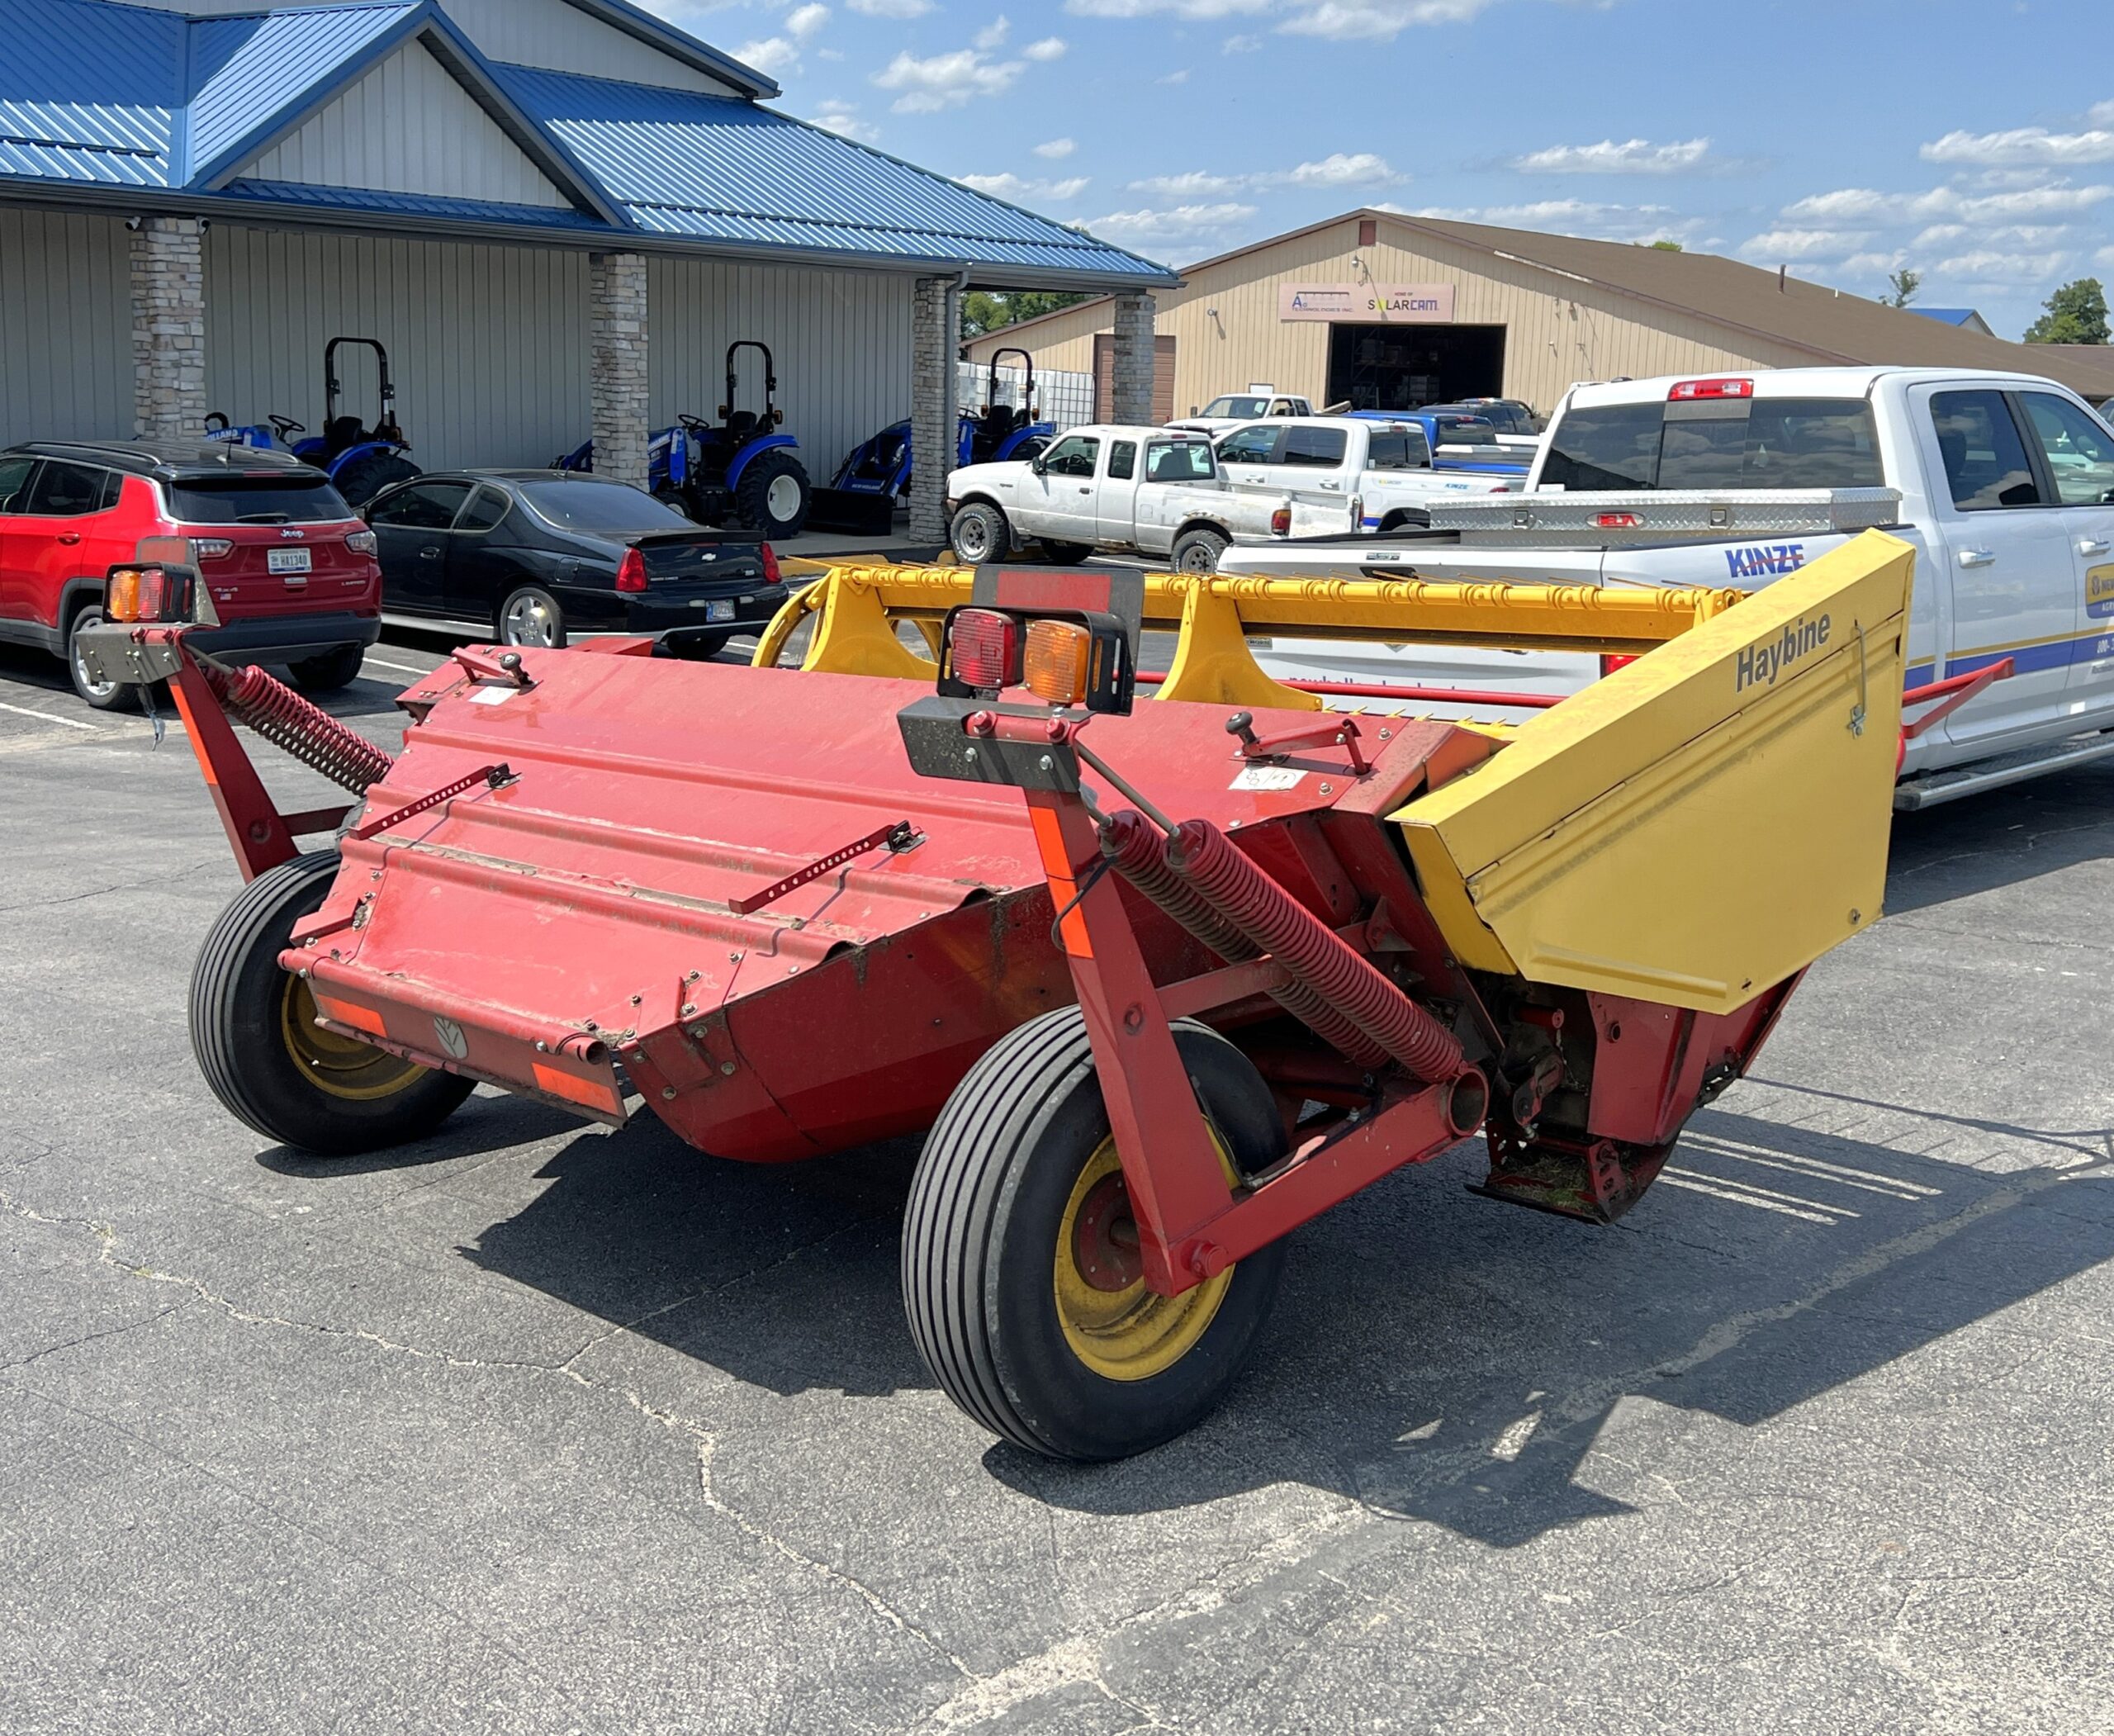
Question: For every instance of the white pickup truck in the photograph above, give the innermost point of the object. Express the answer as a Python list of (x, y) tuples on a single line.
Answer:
[(1156, 490), (1306, 475), (2004, 483), (1231, 409)]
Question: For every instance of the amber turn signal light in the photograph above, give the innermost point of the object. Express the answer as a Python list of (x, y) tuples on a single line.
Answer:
[(1059, 660)]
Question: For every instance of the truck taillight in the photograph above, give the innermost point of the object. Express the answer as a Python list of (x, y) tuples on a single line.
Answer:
[(146, 594), (1619, 520), (1688, 390), (360, 541), (771, 575), (219, 548), (631, 571), (1280, 522), (1611, 660), (983, 649), (1060, 654)]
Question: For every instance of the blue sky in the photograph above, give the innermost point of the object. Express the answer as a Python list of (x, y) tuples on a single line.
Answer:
[(1974, 142)]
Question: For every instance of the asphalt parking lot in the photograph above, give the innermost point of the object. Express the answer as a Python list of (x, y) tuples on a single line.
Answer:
[(538, 1427)]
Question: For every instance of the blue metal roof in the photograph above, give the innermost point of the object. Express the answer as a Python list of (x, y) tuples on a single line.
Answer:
[(1950, 315), (98, 93), (684, 163)]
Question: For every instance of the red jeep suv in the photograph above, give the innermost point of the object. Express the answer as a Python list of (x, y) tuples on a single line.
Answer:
[(290, 567)]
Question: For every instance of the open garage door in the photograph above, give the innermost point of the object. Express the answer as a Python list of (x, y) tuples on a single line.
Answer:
[(1400, 367)]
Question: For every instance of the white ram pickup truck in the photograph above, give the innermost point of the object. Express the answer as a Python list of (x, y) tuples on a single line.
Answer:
[(1353, 474), (1156, 490), (2004, 484)]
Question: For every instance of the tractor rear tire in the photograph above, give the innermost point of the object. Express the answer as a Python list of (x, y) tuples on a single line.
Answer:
[(253, 1029), (1065, 554), (774, 494), (979, 533), (1197, 551), (361, 481), (1017, 1186), (332, 671)]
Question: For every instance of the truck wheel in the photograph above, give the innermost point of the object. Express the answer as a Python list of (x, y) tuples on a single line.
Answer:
[(979, 533), (101, 695), (531, 616), (772, 495), (1066, 554), (1197, 551), (676, 501), (1019, 1270), (253, 1030), (331, 671), (1407, 519)]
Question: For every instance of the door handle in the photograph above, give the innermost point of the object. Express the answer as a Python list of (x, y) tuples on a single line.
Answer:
[(2094, 545), (428, 554), (1978, 558), (69, 536), (1086, 491)]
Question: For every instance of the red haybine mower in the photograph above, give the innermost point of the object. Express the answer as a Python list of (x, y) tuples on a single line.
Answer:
[(1165, 980)]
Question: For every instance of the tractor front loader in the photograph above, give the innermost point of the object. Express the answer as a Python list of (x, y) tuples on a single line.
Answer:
[(1165, 978)]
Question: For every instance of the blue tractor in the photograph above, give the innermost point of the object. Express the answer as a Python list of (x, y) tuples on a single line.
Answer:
[(741, 470), (875, 474), (361, 461)]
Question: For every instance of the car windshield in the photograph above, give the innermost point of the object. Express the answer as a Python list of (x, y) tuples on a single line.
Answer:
[(257, 500), (601, 508), (1245, 409), (1733, 443)]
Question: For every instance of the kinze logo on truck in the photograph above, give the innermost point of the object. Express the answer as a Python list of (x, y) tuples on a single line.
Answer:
[(1760, 665), (1777, 558)]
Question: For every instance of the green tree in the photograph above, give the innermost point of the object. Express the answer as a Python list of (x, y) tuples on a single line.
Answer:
[(2076, 314), (1666, 247), (985, 310), (1906, 283)]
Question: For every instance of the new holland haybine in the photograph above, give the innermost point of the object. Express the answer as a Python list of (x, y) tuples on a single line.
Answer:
[(1165, 978)]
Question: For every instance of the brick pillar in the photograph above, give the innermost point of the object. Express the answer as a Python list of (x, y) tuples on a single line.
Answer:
[(935, 343), (616, 373), (169, 329), (1134, 359)]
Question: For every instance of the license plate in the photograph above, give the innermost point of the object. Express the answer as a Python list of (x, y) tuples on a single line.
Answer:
[(289, 560), (721, 611)]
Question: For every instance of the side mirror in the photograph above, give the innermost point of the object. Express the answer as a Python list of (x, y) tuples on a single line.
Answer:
[(1039, 465)]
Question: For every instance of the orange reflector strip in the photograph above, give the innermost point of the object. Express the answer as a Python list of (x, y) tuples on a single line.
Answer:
[(1057, 869), (1058, 652), (594, 1092), (351, 1012)]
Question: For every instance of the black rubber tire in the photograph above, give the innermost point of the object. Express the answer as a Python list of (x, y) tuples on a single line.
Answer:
[(752, 494), (1196, 551), (1408, 519), (531, 595), (676, 501), (361, 481), (120, 695), (982, 527), (985, 1207), (1065, 554), (331, 672), (236, 988)]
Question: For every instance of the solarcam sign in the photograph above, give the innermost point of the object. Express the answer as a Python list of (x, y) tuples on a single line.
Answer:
[(1377, 304)]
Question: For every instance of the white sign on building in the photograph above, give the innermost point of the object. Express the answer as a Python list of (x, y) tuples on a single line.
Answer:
[(1391, 304)]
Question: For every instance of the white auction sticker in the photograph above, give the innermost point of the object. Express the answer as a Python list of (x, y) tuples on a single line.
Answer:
[(1267, 777), (495, 693)]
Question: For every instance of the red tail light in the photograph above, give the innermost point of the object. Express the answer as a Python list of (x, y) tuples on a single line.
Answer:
[(631, 573), (770, 573), (1611, 660), (1280, 522), (1687, 390), (984, 648), (1619, 520)]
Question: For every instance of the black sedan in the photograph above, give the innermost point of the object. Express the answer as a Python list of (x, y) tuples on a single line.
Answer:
[(537, 554)]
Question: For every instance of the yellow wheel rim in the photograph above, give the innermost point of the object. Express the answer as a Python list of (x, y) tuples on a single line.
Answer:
[(1130, 1332), (339, 1066)]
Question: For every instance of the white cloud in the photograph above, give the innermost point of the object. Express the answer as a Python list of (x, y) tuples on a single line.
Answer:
[(1054, 149), (2105, 256), (1194, 9), (843, 120), (1989, 267), (1011, 186), (1378, 20), (1246, 45), (1180, 75), (946, 81), (1775, 246), (993, 33), (1862, 204), (1175, 225), (891, 8), (780, 52), (2023, 145), (1050, 48), (1632, 157), (1197, 183), (1339, 168)]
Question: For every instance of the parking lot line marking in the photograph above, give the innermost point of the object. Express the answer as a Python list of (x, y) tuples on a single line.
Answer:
[(1683, 1178), (401, 668), (52, 717)]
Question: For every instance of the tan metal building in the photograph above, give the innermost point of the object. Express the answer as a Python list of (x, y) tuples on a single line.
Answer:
[(1384, 311)]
